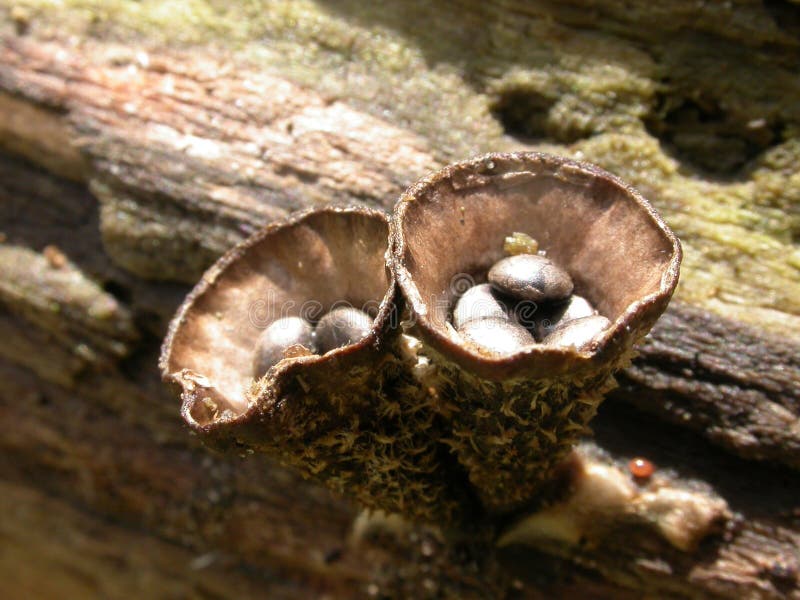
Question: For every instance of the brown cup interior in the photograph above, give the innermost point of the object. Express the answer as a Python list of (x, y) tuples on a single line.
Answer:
[(302, 267), (449, 230)]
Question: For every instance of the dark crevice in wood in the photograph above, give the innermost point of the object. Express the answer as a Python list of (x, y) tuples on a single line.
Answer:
[(705, 138)]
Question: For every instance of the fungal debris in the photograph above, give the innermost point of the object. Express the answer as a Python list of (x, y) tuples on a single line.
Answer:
[(192, 380), (602, 496), (520, 243), (55, 257), (370, 524), (683, 517), (410, 349), (277, 338)]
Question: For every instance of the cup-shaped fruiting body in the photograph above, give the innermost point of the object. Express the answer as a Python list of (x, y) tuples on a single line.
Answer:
[(346, 416), (515, 414)]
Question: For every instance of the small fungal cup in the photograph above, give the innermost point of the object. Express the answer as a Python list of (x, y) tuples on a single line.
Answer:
[(515, 416), (337, 416)]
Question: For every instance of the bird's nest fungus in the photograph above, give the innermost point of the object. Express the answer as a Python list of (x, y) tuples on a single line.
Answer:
[(409, 415)]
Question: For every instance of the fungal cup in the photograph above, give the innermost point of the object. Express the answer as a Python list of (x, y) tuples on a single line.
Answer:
[(334, 416), (516, 415)]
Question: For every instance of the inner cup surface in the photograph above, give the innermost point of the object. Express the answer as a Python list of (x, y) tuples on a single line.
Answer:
[(602, 232), (302, 268)]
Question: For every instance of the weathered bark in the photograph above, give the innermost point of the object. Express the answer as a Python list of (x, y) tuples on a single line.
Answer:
[(187, 158), (50, 549), (183, 157), (738, 386)]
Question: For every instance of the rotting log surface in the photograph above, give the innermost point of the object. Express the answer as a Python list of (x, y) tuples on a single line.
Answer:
[(740, 387), (184, 157)]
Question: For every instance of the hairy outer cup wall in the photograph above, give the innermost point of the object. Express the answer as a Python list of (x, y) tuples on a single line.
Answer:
[(514, 417), (352, 418)]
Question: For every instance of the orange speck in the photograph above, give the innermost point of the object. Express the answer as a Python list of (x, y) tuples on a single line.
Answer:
[(641, 468), (55, 258)]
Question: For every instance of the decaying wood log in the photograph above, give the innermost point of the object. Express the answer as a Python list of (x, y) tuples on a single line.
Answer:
[(103, 400), (138, 169)]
